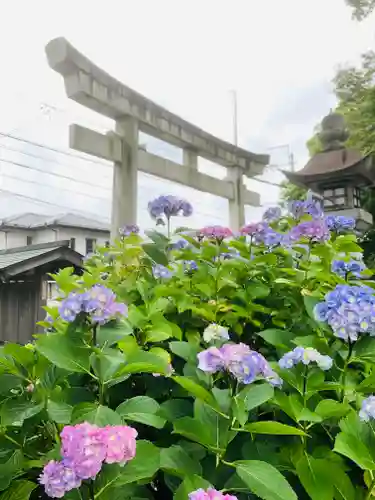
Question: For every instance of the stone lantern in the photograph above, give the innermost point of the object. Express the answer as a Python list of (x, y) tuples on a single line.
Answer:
[(338, 175)]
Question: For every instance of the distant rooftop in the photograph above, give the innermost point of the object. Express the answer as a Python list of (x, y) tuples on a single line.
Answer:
[(35, 221)]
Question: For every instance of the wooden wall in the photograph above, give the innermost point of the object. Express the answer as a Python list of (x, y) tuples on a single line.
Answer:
[(20, 309)]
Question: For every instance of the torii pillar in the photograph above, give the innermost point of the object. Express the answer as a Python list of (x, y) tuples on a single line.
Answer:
[(92, 87)]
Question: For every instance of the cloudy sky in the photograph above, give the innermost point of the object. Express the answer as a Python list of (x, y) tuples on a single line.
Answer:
[(279, 56)]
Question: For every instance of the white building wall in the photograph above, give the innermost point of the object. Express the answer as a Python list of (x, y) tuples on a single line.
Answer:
[(18, 237), (13, 238)]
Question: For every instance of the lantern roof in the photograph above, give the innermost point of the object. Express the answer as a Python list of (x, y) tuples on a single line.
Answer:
[(335, 161)]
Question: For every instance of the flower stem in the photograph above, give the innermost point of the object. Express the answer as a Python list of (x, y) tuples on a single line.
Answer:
[(94, 334), (91, 490), (344, 373)]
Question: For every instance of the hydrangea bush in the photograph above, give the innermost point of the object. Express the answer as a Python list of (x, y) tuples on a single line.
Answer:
[(203, 365)]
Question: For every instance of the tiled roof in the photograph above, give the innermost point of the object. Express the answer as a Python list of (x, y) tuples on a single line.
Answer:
[(35, 255)]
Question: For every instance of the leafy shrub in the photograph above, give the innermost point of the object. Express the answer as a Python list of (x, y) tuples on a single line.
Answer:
[(207, 364)]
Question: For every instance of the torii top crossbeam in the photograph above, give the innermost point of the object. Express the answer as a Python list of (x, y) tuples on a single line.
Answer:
[(92, 87)]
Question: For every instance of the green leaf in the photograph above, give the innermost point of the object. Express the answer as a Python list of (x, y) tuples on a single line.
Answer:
[(256, 394), (264, 480), (114, 477), (176, 461), (189, 484), (155, 253), (59, 412), (65, 353), (193, 429), (351, 447), (277, 337), (196, 389), (310, 302), (141, 409), (106, 363), (276, 428), (19, 490), (16, 411), (329, 408), (95, 414), (185, 350), (364, 350), (316, 477), (10, 469), (143, 362), (172, 409), (109, 335)]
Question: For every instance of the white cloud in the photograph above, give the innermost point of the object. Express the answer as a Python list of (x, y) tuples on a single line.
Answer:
[(279, 55)]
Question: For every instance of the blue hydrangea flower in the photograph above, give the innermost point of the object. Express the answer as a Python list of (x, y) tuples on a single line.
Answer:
[(169, 206), (160, 271), (339, 223), (180, 244), (129, 229), (367, 411), (343, 268), (190, 265), (299, 208), (272, 214), (306, 356), (349, 311)]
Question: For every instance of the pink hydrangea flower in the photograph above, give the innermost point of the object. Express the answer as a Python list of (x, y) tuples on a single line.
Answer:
[(217, 232), (210, 494), (83, 446), (120, 443)]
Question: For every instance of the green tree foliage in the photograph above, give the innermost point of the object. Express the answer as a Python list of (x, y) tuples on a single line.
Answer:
[(290, 192), (361, 8), (355, 91)]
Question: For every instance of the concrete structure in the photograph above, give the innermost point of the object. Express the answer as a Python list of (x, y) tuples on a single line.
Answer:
[(339, 174), (28, 229), (92, 87)]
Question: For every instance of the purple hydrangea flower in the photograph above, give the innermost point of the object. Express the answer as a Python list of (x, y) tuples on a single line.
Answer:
[(367, 411), (339, 223), (262, 233), (313, 230), (210, 494), (343, 268), (160, 271), (58, 478), (169, 206), (99, 302), (239, 360), (129, 229), (272, 214), (70, 307), (299, 208), (349, 311), (306, 356)]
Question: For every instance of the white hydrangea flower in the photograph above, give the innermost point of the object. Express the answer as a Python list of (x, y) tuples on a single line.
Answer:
[(215, 332)]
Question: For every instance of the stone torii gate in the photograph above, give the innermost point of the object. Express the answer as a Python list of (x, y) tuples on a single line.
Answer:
[(92, 87)]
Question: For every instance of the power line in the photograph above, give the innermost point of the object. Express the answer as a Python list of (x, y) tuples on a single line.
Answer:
[(35, 200), (38, 157), (55, 150), (56, 187), (29, 167)]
